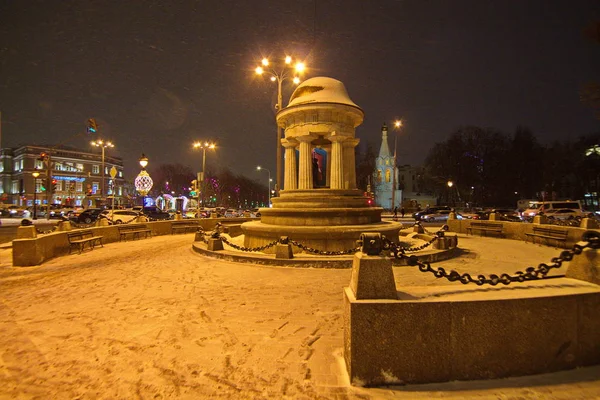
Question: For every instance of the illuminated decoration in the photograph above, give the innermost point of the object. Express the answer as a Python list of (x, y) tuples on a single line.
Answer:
[(143, 183), (595, 149)]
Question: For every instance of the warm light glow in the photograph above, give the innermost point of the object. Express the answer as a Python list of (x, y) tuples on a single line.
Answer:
[(300, 67), (204, 145), (258, 167), (450, 184), (265, 62), (101, 143), (288, 59), (273, 79), (296, 80), (35, 174), (398, 123), (259, 70), (143, 161)]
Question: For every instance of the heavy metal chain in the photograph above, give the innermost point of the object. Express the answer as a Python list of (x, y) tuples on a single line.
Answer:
[(325, 253), (242, 248), (590, 239)]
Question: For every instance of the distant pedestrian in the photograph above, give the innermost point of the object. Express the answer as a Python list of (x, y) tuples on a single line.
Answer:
[(402, 212), (395, 212)]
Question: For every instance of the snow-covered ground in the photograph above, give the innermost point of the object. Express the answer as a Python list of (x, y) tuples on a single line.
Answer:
[(151, 319)]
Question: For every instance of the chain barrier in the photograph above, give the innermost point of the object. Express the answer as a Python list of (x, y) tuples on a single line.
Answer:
[(45, 232), (322, 252), (242, 248), (590, 239)]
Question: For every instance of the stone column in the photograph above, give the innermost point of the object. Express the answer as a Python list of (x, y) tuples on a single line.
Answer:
[(305, 180), (290, 176), (328, 172), (337, 161), (350, 163)]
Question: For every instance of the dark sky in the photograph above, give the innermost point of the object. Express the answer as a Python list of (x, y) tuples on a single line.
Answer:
[(158, 75)]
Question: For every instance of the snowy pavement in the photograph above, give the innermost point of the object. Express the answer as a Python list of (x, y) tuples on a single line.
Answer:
[(152, 319)]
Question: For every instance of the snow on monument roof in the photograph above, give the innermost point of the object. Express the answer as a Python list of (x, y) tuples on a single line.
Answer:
[(321, 90)]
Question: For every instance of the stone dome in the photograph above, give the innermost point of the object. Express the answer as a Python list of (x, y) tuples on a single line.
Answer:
[(321, 90)]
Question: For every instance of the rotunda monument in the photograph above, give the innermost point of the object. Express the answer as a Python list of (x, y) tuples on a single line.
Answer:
[(320, 205)]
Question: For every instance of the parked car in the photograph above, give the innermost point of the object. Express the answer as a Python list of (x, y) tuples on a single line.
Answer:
[(18, 212), (120, 216), (155, 213), (86, 216), (441, 215), (563, 213)]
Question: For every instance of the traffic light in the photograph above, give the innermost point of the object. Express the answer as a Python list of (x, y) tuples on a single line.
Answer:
[(92, 126), (194, 188), (43, 156), (54, 185)]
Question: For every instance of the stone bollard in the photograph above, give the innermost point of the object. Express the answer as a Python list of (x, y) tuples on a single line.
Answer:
[(585, 266), (540, 219), (493, 217), (589, 223), (215, 244), (199, 236), (178, 216), (372, 274), (283, 249), (102, 222), (141, 218), (64, 226), (418, 228), (26, 232), (214, 215)]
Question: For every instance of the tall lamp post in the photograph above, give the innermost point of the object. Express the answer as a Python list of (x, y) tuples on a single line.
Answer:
[(259, 168), (203, 146), (280, 73), (397, 126), (35, 175), (103, 145), (143, 183)]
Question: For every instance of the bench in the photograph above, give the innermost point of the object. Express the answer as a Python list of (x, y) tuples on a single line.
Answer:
[(79, 239), (484, 227), (135, 230), (184, 226), (547, 233)]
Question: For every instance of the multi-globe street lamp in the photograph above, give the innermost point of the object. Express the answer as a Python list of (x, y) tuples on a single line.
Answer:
[(279, 73), (103, 145), (35, 175), (259, 168), (200, 178)]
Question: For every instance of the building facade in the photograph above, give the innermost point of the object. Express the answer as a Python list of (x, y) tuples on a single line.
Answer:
[(67, 176)]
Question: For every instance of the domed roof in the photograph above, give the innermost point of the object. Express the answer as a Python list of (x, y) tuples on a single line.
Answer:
[(321, 90)]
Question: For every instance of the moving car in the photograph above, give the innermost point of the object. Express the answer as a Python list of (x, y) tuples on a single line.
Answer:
[(442, 215), (430, 210), (563, 213), (155, 214)]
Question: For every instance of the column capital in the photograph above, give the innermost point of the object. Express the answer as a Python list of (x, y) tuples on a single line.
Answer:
[(287, 143), (337, 138), (305, 138), (351, 142)]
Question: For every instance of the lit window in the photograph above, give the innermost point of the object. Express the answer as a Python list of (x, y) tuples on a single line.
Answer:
[(95, 169)]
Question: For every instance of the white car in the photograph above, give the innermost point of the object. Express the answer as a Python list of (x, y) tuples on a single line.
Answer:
[(121, 216), (564, 213)]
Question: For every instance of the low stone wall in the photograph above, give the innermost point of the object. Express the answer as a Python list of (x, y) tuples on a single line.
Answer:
[(395, 338), (33, 249), (518, 230)]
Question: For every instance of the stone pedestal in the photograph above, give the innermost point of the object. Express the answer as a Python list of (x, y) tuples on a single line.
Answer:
[(199, 236), (26, 232), (64, 226), (585, 266), (588, 223), (178, 216), (284, 251), (540, 219), (215, 244), (102, 222), (418, 228), (372, 277)]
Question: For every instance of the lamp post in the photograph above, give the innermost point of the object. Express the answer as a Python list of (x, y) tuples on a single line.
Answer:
[(35, 175), (143, 183), (259, 168), (203, 146), (280, 73), (103, 145), (397, 126)]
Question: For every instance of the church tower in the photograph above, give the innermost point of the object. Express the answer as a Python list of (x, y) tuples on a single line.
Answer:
[(384, 175)]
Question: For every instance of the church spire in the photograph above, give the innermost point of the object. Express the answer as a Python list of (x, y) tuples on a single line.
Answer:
[(384, 151)]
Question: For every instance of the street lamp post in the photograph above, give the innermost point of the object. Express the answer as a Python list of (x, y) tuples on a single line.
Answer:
[(279, 74), (259, 168), (35, 175), (200, 178), (397, 125), (103, 145)]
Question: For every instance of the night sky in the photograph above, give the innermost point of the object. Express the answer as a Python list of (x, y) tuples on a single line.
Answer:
[(158, 75)]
